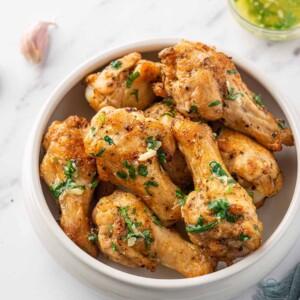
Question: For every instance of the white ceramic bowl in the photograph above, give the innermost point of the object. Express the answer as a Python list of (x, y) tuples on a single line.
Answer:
[(280, 214)]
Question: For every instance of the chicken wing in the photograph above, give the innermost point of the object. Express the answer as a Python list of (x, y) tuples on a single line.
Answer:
[(72, 178), (252, 165), (205, 83), (129, 148), (125, 82), (219, 214), (130, 234), (177, 168)]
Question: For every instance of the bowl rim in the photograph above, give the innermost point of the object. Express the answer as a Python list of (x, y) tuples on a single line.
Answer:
[(291, 33), (31, 176)]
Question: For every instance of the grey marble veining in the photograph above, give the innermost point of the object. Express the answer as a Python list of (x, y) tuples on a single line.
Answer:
[(84, 29)]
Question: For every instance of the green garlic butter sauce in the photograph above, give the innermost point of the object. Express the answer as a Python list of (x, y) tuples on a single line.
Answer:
[(270, 14)]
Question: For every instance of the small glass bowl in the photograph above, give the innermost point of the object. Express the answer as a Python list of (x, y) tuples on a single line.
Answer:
[(270, 34)]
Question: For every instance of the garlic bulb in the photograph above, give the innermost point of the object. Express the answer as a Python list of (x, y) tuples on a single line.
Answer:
[(35, 41)]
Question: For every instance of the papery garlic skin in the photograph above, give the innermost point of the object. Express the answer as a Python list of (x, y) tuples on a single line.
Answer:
[(35, 40)]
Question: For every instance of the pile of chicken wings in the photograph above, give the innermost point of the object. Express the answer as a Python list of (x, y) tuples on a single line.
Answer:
[(179, 141)]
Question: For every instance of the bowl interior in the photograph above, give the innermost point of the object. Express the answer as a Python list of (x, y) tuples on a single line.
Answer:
[(271, 214)]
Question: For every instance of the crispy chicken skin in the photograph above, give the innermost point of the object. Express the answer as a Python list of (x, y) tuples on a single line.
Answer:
[(252, 165), (127, 146), (126, 82), (177, 167), (72, 177), (130, 234), (205, 83), (219, 214)]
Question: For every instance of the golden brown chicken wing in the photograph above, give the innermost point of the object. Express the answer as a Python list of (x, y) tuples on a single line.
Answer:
[(125, 82), (72, 178), (130, 234), (205, 83), (252, 165), (219, 214), (177, 168), (129, 148)]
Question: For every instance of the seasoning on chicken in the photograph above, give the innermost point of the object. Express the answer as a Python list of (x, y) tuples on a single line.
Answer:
[(177, 168), (252, 165), (129, 149), (132, 235), (72, 177), (125, 82), (219, 215), (205, 83)]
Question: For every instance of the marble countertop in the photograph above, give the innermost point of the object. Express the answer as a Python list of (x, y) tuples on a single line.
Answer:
[(84, 29)]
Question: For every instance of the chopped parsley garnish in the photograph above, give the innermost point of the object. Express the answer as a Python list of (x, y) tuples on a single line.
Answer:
[(168, 102), (244, 237), (220, 207), (70, 168), (281, 124), (136, 94), (229, 189), (169, 113), (101, 117), (99, 153), (108, 140), (114, 246), (131, 78), (116, 64), (161, 155), (199, 227), (131, 227), (232, 96), (68, 183), (147, 236), (217, 169), (156, 220), (232, 71), (133, 211), (194, 108), (148, 184), (92, 237), (93, 130), (94, 181), (214, 103), (151, 142), (251, 194), (131, 169), (181, 196), (257, 99), (122, 174), (143, 170), (255, 227)]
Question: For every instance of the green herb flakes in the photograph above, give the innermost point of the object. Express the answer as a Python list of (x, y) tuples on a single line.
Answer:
[(200, 227), (131, 169), (116, 64), (136, 94), (149, 184), (214, 103), (99, 153), (257, 99), (281, 124), (108, 140), (161, 155), (92, 237), (143, 170), (114, 246), (244, 237), (131, 78), (194, 108), (169, 113), (232, 71)]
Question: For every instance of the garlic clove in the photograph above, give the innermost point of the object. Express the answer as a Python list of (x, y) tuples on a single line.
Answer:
[(35, 40)]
